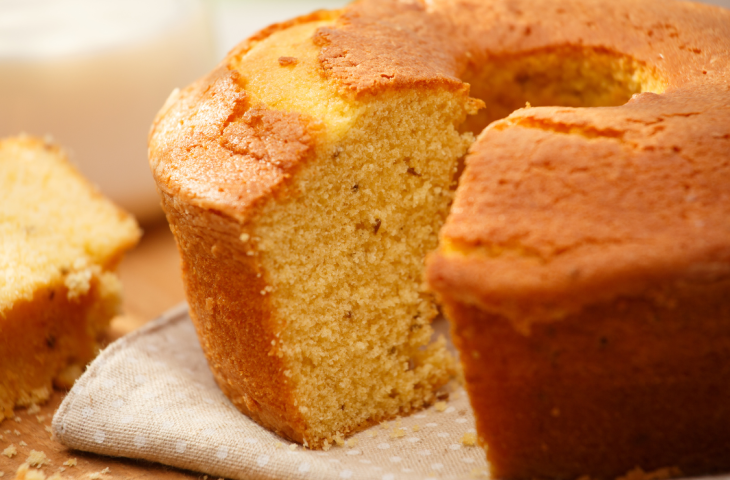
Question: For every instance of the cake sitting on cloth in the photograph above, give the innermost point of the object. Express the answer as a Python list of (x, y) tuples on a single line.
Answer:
[(150, 395)]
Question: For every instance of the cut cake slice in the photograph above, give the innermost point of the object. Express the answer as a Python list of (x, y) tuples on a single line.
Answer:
[(60, 241)]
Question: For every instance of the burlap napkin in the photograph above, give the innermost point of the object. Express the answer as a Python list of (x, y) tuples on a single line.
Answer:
[(150, 395)]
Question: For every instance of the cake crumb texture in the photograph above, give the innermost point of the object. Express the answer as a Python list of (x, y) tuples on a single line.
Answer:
[(60, 241)]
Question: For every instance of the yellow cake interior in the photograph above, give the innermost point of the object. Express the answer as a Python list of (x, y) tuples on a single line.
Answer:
[(59, 242)]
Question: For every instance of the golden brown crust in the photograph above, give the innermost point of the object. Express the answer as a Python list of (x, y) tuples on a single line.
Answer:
[(225, 290), (576, 206), (215, 150), (41, 337), (380, 44), (591, 395), (592, 204)]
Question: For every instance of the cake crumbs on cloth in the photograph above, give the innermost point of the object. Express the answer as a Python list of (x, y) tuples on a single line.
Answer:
[(469, 439), (440, 406), (398, 433), (71, 462)]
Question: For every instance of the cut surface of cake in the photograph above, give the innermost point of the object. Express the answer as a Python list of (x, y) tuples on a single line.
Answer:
[(60, 242)]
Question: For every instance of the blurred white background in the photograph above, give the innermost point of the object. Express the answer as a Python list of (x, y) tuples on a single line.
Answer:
[(91, 74)]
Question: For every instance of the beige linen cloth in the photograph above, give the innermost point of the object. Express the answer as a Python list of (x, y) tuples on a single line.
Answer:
[(150, 395)]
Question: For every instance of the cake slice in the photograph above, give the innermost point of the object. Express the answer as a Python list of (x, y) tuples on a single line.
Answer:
[(60, 241), (303, 216)]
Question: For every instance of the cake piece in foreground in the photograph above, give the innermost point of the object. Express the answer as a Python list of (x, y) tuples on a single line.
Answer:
[(60, 241)]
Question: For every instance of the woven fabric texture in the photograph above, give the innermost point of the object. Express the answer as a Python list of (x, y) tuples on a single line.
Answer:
[(150, 395)]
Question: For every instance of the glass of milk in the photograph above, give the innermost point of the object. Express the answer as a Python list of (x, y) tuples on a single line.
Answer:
[(91, 74)]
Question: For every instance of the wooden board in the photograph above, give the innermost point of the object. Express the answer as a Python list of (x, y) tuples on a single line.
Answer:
[(151, 278)]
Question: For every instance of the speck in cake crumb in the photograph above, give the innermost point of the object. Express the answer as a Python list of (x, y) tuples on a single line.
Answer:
[(33, 409), (10, 451), (18, 419), (16, 432), (288, 61), (40, 418), (244, 237), (352, 442), (71, 462), (22, 444), (339, 440), (278, 445), (326, 445), (37, 458), (49, 429), (440, 406), (469, 439), (293, 446)]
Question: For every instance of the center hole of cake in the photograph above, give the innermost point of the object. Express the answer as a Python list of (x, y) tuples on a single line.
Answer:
[(569, 77)]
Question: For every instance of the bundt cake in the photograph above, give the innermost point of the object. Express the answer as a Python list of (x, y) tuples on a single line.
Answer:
[(60, 241), (306, 177)]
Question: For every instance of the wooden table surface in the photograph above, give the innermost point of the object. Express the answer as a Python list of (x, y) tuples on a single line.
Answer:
[(151, 278)]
